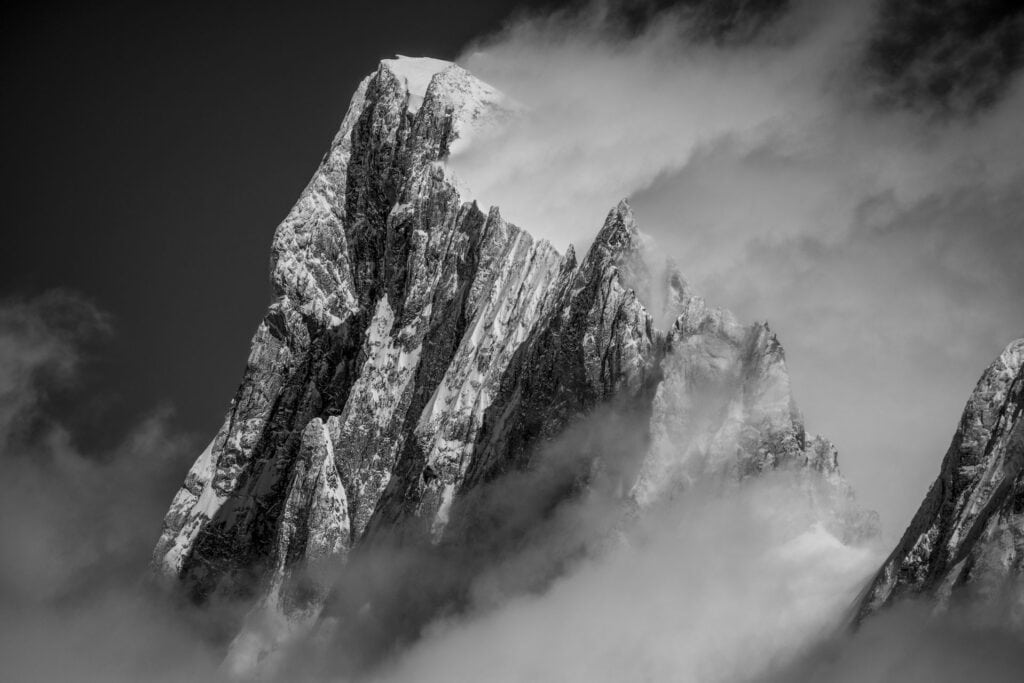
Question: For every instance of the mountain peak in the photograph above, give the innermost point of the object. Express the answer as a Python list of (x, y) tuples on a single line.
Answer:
[(420, 349), (1013, 355), (417, 74), (619, 232)]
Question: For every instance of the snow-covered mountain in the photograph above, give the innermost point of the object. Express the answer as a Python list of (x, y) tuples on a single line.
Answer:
[(967, 538), (420, 348)]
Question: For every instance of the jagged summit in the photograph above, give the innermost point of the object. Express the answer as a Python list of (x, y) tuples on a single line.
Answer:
[(471, 104), (456, 88), (653, 277), (619, 232), (420, 349)]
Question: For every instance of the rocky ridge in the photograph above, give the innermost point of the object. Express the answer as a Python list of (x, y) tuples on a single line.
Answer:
[(420, 348), (966, 541)]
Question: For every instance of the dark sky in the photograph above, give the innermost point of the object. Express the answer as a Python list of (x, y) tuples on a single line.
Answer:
[(150, 151)]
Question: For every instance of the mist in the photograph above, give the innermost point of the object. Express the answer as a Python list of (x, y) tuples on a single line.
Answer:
[(574, 588), (722, 583), (77, 528), (710, 588), (910, 643), (869, 209), (729, 582)]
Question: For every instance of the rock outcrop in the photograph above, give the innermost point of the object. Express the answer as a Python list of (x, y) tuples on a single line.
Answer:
[(967, 538), (420, 348)]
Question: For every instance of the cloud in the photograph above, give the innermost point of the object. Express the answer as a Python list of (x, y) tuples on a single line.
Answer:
[(508, 537), (881, 242), (730, 584), (720, 584), (722, 21), (947, 58), (879, 239), (76, 529), (609, 114), (909, 643), (40, 348), (710, 588)]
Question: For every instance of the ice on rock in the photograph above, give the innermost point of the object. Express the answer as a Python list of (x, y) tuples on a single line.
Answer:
[(476, 108), (417, 72)]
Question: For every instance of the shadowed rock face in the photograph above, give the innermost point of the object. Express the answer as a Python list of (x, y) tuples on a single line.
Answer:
[(420, 349), (967, 538)]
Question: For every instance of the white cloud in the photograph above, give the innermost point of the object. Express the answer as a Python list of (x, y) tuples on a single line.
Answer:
[(77, 528), (883, 246), (710, 588)]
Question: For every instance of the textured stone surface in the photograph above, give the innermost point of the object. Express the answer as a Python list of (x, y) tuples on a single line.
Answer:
[(967, 537), (419, 348)]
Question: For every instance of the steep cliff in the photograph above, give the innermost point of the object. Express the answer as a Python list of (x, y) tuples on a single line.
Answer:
[(967, 538), (420, 348)]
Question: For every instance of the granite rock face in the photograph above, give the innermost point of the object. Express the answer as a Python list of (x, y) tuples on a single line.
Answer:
[(967, 538), (420, 348)]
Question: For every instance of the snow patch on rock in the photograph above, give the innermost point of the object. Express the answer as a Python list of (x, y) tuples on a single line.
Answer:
[(417, 72)]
